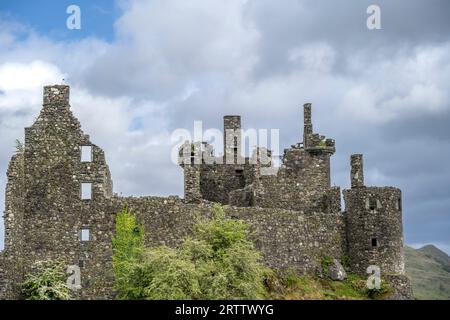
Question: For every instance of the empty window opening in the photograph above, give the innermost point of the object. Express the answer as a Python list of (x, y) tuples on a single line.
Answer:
[(84, 235), (86, 153), (374, 242), (81, 263), (86, 191), (399, 204), (239, 172), (372, 204)]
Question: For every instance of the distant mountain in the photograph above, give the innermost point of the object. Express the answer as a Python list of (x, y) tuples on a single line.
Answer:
[(429, 270)]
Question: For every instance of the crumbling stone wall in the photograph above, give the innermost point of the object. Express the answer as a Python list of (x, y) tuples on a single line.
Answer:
[(287, 239), (14, 225), (302, 183), (5, 289), (217, 181), (53, 212)]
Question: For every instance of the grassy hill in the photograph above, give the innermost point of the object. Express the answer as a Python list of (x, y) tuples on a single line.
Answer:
[(429, 270)]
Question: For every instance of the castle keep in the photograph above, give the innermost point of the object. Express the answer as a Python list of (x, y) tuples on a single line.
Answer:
[(60, 204)]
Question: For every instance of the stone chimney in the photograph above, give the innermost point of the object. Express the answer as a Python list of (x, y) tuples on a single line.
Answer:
[(357, 171), (56, 95)]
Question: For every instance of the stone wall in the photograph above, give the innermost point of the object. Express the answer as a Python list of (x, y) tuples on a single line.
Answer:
[(219, 180), (5, 289), (14, 225), (288, 239), (374, 229), (302, 183), (54, 212)]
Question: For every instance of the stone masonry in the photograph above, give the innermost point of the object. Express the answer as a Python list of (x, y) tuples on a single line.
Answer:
[(60, 204)]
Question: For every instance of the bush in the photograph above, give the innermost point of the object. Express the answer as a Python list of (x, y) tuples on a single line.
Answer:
[(128, 246), (218, 261), (48, 282)]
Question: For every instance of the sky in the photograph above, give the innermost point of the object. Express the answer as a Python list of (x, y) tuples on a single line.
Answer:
[(139, 70)]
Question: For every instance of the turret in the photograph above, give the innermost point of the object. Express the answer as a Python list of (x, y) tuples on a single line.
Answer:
[(374, 224)]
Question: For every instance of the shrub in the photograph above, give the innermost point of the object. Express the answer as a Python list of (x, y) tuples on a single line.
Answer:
[(128, 247), (218, 261), (47, 282)]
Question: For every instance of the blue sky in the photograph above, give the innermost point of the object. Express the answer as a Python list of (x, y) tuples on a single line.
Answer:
[(49, 17), (149, 67)]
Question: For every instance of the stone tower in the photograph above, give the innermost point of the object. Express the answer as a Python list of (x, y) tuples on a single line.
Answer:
[(374, 224), (53, 193)]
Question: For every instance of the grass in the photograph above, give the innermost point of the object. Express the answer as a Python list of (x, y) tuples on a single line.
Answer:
[(305, 287)]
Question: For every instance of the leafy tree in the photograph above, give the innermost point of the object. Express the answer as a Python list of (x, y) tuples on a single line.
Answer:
[(218, 261), (48, 282), (128, 246)]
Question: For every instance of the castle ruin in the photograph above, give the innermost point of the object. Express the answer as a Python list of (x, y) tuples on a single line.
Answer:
[(60, 204)]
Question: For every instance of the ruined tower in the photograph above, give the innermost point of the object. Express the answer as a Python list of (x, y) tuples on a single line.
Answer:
[(374, 224), (54, 186)]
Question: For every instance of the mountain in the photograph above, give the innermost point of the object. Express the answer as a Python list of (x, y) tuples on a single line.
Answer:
[(429, 270)]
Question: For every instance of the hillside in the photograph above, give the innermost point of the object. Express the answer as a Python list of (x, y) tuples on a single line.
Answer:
[(429, 270)]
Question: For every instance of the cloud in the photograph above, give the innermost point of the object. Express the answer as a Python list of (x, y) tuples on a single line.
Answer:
[(167, 46)]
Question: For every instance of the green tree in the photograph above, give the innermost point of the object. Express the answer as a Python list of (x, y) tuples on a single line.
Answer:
[(128, 246), (47, 282), (218, 261)]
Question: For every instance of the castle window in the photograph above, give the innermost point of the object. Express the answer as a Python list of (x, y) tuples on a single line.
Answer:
[(81, 263), (239, 172), (86, 191), (84, 235), (374, 242), (372, 204), (86, 153), (398, 204)]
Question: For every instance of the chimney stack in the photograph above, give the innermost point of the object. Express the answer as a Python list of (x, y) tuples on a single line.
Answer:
[(357, 171), (56, 95)]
